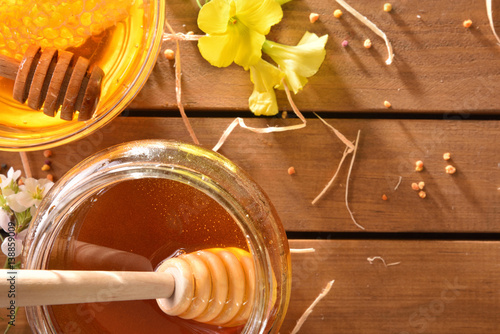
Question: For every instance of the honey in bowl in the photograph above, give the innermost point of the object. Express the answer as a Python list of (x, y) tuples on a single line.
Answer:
[(119, 36), (150, 219)]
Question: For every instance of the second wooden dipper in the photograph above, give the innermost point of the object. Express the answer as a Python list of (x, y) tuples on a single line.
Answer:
[(53, 79)]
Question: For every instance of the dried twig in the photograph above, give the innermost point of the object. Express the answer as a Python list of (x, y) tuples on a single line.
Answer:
[(309, 310), (26, 164)]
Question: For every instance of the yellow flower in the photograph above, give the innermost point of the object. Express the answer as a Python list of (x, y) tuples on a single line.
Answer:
[(263, 99), (298, 62), (236, 30)]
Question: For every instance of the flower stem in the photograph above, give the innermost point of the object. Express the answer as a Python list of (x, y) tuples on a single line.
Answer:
[(9, 325)]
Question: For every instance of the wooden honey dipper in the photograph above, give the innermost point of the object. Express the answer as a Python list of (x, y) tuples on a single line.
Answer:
[(214, 286), (53, 78)]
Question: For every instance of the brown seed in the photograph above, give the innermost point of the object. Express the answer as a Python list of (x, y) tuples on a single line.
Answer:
[(450, 169), (291, 170), (46, 167), (50, 177), (467, 23), (368, 44), (384, 197), (47, 153), (421, 185), (313, 17), (387, 7), (169, 54), (20, 181), (337, 13), (414, 186), (387, 104), (422, 194), (284, 114), (447, 156)]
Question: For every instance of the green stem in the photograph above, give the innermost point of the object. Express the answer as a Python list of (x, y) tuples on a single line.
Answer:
[(9, 325)]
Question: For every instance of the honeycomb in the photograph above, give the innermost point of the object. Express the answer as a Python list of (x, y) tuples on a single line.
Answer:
[(55, 23)]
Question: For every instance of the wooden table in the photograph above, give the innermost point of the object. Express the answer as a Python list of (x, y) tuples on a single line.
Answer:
[(444, 89)]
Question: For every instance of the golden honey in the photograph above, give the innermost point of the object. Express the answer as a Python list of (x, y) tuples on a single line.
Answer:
[(150, 219), (117, 35)]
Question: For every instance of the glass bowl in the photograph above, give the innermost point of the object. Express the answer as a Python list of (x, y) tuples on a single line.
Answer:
[(127, 53), (67, 217)]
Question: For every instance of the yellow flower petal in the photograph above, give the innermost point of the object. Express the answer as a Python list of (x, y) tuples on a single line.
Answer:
[(219, 50), (249, 46), (214, 16), (259, 15), (263, 99), (298, 62), (282, 2)]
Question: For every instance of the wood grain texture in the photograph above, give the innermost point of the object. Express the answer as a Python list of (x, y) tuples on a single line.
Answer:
[(443, 287), (439, 65), (464, 202)]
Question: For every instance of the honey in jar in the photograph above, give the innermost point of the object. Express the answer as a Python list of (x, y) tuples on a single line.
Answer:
[(151, 220)]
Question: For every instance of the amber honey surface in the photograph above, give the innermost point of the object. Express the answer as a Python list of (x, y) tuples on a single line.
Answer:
[(110, 33), (152, 219)]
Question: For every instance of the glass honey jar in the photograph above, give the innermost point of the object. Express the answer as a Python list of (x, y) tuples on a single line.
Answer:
[(131, 206)]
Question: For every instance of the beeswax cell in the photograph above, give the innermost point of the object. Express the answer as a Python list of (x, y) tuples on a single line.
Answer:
[(55, 23)]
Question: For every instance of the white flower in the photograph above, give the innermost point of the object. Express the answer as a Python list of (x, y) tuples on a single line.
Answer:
[(30, 194), (12, 246), (8, 182), (4, 220)]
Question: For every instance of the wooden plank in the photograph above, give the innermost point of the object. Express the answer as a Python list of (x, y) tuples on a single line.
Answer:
[(439, 65), (445, 287), (439, 287), (464, 202)]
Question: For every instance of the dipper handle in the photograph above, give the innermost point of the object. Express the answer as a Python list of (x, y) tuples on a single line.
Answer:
[(52, 78), (55, 287)]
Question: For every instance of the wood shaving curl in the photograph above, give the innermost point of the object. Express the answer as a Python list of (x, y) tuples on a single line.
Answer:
[(325, 189), (302, 250), (178, 75), (239, 121), (399, 182), (490, 18), (350, 148), (371, 259), (347, 182), (178, 36)]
